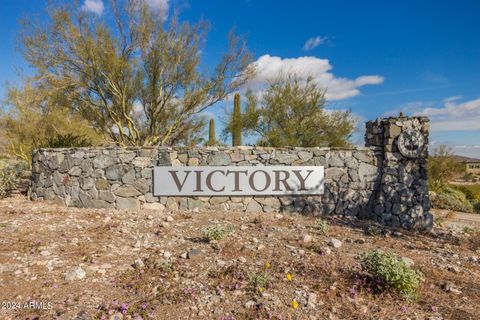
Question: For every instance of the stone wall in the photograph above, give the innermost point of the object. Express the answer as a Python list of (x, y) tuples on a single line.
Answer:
[(372, 182), (402, 200)]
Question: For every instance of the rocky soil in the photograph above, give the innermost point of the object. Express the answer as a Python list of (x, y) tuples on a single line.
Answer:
[(69, 263)]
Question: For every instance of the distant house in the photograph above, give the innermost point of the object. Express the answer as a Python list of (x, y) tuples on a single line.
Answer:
[(471, 165)]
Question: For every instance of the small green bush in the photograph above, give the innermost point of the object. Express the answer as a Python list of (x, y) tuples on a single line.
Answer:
[(476, 206), (469, 194), (373, 231), (392, 270), (16, 165), (67, 141), (321, 225), (451, 199), (9, 178), (217, 231), (468, 230), (258, 281)]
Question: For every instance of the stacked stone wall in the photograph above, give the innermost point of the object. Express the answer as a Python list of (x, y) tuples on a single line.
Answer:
[(402, 200), (374, 182)]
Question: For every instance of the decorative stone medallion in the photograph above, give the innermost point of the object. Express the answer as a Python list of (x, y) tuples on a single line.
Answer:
[(411, 143)]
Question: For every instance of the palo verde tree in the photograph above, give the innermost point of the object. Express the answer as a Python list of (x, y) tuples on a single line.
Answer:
[(442, 167), (290, 112), (33, 118), (134, 77)]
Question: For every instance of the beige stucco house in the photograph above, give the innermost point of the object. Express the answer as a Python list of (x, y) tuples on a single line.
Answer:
[(473, 166)]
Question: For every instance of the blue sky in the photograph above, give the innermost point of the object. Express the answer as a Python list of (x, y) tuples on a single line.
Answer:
[(375, 57)]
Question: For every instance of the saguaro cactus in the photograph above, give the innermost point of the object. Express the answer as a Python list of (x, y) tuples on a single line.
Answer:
[(237, 122), (211, 133)]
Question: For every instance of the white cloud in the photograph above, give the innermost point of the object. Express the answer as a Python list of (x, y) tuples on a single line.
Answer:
[(161, 5), (453, 98), (314, 42), (268, 67), (95, 6), (408, 108), (454, 116)]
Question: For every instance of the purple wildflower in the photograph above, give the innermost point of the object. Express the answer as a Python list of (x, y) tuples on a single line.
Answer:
[(352, 291), (124, 308)]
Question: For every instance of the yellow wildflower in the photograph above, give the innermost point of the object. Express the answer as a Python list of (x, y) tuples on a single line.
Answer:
[(267, 265), (261, 289), (289, 277), (294, 304)]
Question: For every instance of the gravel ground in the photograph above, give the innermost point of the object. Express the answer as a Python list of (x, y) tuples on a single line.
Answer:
[(69, 263)]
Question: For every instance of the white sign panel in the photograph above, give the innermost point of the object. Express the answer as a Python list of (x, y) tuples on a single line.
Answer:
[(238, 181)]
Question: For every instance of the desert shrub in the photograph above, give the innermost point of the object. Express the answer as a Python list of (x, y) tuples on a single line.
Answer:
[(476, 206), (468, 177), (442, 168), (9, 177), (258, 281), (17, 165), (321, 225), (451, 199), (392, 271), (474, 188), (68, 140), (373, 231), (469, 193), (217, 231), (468, 230)]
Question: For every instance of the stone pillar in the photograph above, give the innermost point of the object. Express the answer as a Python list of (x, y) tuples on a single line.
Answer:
[(402, 197)]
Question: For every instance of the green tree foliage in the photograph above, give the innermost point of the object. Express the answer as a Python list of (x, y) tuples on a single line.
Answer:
[(442, 167), (68, 140), (35, 119), (236, 124), (3, 145), (290, 112), (132, 76)]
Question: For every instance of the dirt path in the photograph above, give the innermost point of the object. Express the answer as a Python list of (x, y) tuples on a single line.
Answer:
[(459, 219), (467, 218)]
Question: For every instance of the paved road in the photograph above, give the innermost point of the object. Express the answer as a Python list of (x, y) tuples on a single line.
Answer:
[(460, 218), (467, 218)]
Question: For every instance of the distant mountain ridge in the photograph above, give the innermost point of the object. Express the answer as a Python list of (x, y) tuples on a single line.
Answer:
[(465, 159)]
